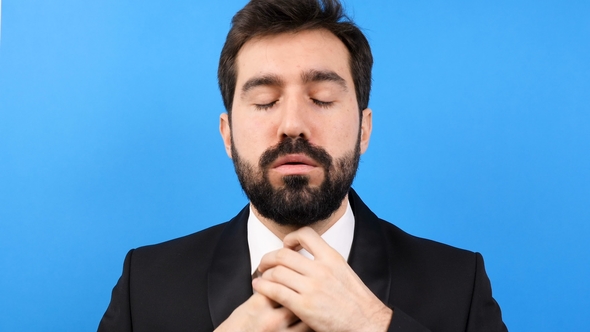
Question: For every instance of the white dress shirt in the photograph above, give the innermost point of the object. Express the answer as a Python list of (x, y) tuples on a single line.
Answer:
[(262, 241)]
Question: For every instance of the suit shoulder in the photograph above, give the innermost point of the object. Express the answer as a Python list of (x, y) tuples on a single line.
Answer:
[(167, 282), (407, 247), (198, 244), (432, 253), (207, 234), (439, 285)]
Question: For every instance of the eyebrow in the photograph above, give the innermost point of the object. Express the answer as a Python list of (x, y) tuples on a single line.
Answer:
[(306, 77), (323, 76), (265, 80)]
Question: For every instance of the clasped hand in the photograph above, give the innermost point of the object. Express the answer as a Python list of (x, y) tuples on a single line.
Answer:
[(296, 293)]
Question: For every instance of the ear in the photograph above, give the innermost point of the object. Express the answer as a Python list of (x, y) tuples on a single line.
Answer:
[(366, 128), (225, 130)]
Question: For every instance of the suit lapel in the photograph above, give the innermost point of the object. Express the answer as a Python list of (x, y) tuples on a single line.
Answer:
[(229, 280), (369, 256)]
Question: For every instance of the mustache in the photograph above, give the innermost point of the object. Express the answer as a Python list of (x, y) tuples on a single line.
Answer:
[(291, 145)]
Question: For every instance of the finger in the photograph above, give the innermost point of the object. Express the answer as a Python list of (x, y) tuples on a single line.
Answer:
[(288, 278), (261, 301), (310, 241), (277, 319), (276, 292), (288, 258), (287, 316), (280, 318)]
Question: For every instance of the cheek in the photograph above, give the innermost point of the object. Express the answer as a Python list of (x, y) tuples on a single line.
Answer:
[(250, 138), (343, 135)]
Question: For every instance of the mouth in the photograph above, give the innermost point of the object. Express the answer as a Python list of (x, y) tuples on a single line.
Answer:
[(294, 164)]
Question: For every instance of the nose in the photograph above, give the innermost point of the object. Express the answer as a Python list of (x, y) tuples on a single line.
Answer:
[(294, 120)]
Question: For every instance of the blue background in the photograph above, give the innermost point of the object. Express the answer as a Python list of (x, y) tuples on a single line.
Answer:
[(109, 140)]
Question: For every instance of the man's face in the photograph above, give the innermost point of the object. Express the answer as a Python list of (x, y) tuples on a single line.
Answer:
[(295, 134)]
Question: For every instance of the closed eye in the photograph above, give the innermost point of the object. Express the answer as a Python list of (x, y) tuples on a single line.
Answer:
[(264, 107), (324, 104)]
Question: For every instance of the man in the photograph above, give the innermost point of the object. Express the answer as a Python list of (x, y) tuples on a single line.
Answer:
[(306, 253)]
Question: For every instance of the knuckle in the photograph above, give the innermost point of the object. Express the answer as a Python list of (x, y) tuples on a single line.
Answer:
[(316, 286), (280, 271), (323, 272), (276, 272), (282, 255), (336, 257), (268, 274), (305, 230), (277, 294), (257, 301)]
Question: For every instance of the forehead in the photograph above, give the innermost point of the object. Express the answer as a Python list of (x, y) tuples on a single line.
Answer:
[(289, 54)]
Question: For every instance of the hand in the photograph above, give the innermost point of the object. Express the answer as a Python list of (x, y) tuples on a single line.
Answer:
[(324, 293), (260, 314)]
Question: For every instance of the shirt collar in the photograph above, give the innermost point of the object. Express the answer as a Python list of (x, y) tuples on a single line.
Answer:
[(262, 241)]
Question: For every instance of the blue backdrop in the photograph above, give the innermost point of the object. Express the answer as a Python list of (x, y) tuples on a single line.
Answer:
[(109, 140)]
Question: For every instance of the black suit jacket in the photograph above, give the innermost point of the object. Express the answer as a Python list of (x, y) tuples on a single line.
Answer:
[(194, 283)]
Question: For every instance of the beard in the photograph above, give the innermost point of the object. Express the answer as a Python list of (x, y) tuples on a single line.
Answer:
[(296, 203)]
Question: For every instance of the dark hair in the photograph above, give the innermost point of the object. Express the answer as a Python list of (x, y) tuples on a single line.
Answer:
[(270, 17)]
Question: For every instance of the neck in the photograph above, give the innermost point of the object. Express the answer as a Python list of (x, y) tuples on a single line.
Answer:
[(320, 226)]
